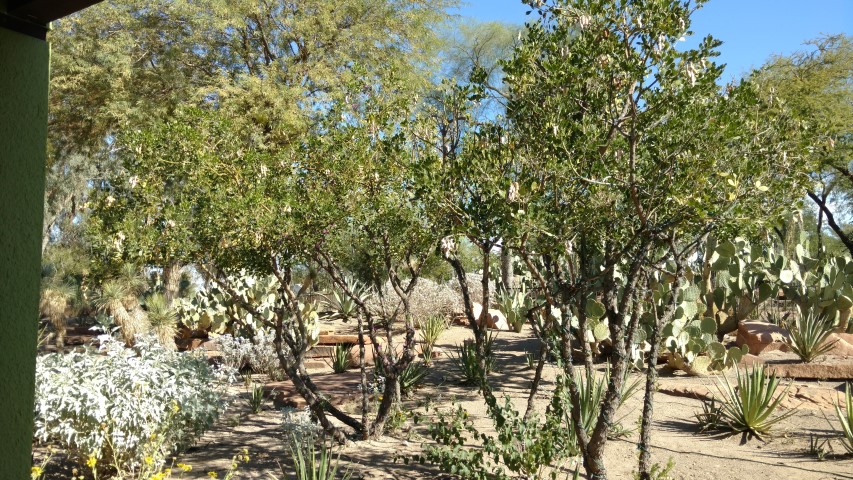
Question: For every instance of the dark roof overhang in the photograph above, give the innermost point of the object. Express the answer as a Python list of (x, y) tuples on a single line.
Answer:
[(33, 17)]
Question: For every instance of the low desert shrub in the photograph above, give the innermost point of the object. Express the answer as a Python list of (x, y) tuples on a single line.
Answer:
[(809, 336), (749, 406), (519, 448), (128, 409), (475, 290), (300, 425)]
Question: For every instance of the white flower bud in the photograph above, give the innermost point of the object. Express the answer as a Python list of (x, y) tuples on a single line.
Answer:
[(512, 193), (448, 247)]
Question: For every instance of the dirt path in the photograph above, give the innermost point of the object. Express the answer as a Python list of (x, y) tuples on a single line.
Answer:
[(785, 455)]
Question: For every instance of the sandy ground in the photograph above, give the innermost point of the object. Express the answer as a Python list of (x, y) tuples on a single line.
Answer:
[(696, 456)]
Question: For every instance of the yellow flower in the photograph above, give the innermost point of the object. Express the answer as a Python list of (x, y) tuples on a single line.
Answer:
[(36, 472), (91, 462), (212, 475), (157, 476), (175, 407), (149, 461), (185, 467)]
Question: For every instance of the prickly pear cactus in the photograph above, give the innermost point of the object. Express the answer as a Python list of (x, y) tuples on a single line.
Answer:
[(514, 306), (823, 288), (746, 275), (215, 311)]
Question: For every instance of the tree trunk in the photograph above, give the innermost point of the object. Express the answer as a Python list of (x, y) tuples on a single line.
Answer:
[(830, 220), (648, 406), (507, 273), (537, 378), (823, 197), (365, 394), (172, 281)]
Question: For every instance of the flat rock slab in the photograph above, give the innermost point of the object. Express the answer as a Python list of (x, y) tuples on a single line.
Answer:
[(798, 396), (825, 370), (341, 339)]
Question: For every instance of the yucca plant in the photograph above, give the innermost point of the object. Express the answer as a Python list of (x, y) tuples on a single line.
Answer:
[(412, 377), (340, 358), (55, 300), (256, 397), (162, 319), (120, 301), (316, 462), (467, 362), (845, 417), (749, 406), (431, 328), (809, 336), (591, 390)]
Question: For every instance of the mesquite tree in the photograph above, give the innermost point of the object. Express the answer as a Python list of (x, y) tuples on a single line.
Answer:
[(630, 153)]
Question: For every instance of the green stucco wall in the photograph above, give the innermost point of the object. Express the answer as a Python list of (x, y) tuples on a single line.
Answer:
[(24, 72)]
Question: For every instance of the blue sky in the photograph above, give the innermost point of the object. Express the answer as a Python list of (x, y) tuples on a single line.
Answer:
[(751, 30)]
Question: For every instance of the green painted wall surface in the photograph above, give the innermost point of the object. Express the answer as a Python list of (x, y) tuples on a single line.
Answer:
[(24, 72)]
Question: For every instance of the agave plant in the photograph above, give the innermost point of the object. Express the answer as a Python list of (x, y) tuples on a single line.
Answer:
[(749, 406), (809, 336), (845, 416), (163, 320), (342, 303), (412, 377), (515, 306)]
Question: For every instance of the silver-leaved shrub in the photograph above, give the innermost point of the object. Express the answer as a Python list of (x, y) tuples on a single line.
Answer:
[(123, 408), (257, 352)]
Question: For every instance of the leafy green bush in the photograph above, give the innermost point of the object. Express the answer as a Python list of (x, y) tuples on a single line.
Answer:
[(809, 335), (128, 409), (525, 447), (749, 406)]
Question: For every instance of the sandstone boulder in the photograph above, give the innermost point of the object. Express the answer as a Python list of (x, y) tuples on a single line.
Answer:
[(761, 337), (495, 319)]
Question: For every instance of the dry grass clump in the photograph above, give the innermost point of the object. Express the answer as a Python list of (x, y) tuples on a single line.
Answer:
[(427, 299), (475, 290)]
